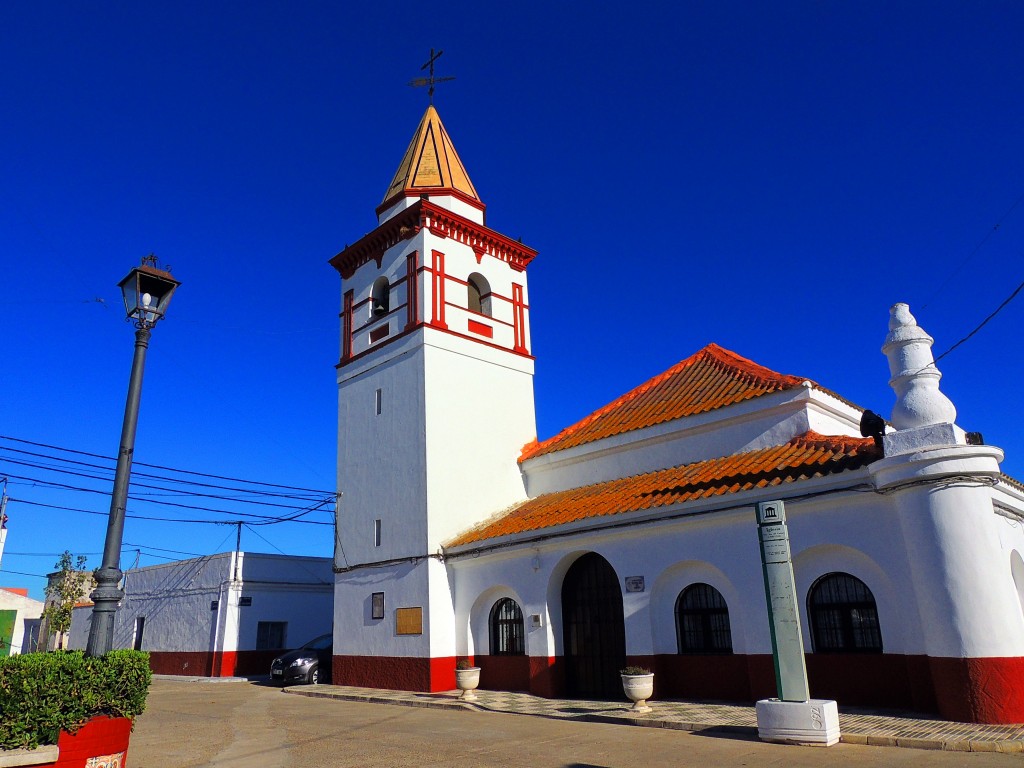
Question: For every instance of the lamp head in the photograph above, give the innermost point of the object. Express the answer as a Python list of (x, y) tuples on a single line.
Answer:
[(147, 291)]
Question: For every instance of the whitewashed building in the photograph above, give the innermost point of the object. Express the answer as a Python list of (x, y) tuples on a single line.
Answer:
[(19, 621), (222, 615), (630, 537), (19, 613)]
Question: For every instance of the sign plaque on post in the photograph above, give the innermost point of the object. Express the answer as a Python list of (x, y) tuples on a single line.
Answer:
[(794, 717), (780, 592)]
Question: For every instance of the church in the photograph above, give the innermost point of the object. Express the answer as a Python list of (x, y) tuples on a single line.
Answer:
[(630, 538)]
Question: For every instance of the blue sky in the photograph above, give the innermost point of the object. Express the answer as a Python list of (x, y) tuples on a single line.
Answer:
[(768, 176)]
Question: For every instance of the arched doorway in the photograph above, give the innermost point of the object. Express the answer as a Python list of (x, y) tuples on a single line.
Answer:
[(593, 629)]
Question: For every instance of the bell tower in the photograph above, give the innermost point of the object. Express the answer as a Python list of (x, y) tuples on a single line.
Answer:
[(435, 402)]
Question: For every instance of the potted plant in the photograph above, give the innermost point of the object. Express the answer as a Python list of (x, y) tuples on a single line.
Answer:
[(64, 706), (467, 679), (638, 685)]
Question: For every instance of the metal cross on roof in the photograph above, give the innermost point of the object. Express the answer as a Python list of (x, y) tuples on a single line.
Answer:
[(430, 81)]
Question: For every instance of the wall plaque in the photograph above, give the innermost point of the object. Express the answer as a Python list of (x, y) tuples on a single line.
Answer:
[(409, 621), (634, 583)]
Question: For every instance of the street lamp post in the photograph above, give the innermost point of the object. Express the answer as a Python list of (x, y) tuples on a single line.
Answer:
[(147, 291)]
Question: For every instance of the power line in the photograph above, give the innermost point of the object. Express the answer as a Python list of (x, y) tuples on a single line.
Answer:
[(87, 476), (22, 573), (971, 255), (983, 322), (167, 469), (254, 491), (163, 519), (64, 486)]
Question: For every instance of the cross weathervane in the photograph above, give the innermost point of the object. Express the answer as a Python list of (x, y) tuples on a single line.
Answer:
[(430, 81)]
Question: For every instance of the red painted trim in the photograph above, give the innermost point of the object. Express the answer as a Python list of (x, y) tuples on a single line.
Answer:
[(404, 333), (481, 328), (379, 333), (99, 737), (419, 191), (489, 318), (989, 690), (518, 319), (985, 690), (378, 319), (346, 344), (412, 303), (401, 673), (407, 223), (224, 663), (437, 318), (462, 230), (206, 662), (504, 673)]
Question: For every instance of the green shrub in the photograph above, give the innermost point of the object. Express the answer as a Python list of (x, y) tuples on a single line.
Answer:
[(42, 694), (630, 671)]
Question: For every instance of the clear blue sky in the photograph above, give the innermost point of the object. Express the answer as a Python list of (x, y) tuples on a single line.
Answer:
[(768, 176)]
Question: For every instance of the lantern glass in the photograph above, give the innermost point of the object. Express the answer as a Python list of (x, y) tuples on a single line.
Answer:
[(147, 292)]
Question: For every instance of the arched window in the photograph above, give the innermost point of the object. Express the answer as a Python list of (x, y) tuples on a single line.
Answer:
[(506, 623), (479, 291), (702, 621), (380, 297), (843, 615)]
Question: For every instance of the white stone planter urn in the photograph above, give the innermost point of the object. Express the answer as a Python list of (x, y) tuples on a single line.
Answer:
[(638, 688), (467, 681)]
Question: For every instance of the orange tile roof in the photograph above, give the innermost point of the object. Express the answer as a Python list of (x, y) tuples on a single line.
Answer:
[(804, 457), (712, 378)]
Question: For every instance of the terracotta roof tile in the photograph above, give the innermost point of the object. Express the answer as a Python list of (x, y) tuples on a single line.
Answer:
[(712, 378), (804, 457)]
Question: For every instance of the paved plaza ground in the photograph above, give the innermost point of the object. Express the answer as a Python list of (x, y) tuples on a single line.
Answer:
[(240, 723)]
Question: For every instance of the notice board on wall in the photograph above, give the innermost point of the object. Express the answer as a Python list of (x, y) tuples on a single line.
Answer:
[(409, 621)]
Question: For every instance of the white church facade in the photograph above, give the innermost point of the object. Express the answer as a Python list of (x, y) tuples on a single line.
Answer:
[(630, 537)]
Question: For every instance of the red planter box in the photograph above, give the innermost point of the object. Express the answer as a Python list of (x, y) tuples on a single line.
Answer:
[(100, 743)]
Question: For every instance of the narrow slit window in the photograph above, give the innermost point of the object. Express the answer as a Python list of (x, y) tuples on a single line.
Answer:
[(376, 532), (140, 627), (378, 401)]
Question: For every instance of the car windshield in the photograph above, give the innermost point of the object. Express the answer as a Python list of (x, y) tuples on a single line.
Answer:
[(321, 643)]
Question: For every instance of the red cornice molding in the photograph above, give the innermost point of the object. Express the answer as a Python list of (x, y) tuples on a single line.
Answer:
[(423, 213), (371, 246), (447, 224)]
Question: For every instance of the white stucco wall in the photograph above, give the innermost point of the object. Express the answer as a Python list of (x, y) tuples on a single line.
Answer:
[(175, 599), (25, 608), (853, 531)]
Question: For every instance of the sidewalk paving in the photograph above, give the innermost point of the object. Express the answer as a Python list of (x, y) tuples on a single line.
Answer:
[(858, 727)]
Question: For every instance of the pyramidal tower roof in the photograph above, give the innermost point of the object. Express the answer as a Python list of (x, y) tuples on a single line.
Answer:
[(430, 163)]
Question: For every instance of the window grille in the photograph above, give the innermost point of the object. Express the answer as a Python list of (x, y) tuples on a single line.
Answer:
[(271, 635), (507, 634), (702, 621), (843, 614)]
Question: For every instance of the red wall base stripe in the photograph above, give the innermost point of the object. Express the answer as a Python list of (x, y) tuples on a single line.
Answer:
[(212, 664), (970, 690)]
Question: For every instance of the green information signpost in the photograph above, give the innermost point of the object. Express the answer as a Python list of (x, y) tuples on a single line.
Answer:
[(783, 611), (794, 717)]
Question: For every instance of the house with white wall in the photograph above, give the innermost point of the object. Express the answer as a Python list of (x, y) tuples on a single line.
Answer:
[(19, 616), (221, 615), (630, 537)]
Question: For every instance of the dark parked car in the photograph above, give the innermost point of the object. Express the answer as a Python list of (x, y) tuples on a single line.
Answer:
[(309, 664)]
